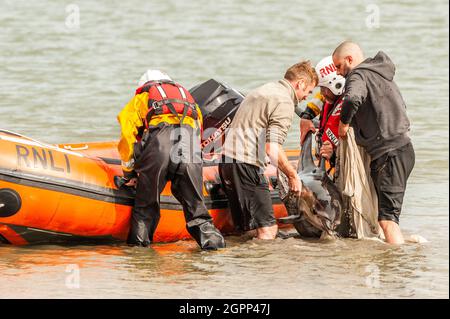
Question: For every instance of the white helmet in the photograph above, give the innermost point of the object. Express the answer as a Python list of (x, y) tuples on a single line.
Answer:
[(153, 75), (326, 71)]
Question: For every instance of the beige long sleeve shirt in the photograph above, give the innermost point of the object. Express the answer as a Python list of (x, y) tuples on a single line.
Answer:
[(264, 116)]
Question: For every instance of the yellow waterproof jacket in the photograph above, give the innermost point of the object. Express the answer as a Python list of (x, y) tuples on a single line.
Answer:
[(315, 105), (132, 124)]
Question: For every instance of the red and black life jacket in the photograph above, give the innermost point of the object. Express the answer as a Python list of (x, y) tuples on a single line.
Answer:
[(329, 122), (168, 97)]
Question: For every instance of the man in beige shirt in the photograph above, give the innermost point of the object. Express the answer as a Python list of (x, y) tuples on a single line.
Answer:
[(258, 130)]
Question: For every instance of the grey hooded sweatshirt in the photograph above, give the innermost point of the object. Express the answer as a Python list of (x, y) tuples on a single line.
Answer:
[(374, 106)]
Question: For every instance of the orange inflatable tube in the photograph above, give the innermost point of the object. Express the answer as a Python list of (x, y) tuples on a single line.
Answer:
[(66, 193)]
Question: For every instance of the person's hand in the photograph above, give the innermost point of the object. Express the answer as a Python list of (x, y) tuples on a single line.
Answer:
[(305, 127), (326, 151), (132, 182), (306, 193), (295, 185), (343, 129)]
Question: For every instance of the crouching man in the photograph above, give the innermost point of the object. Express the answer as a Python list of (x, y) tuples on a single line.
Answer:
[(160, 142)]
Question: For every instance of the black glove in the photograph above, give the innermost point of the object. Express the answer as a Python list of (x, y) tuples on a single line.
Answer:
[(120, 181), (129, 175)]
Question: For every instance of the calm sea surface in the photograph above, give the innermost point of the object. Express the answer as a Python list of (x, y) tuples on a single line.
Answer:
[(65, 82)]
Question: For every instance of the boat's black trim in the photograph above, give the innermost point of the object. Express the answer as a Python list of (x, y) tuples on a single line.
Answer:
[(36, 236), (218, 160), (10, 133), (114, 161), (121, 197), (111, 161), (67, 186), (3, 240)]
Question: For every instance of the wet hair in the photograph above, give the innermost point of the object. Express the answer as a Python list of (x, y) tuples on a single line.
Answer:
[(302, 70)]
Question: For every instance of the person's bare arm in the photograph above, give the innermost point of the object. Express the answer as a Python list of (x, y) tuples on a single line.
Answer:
[(343, 129), (279, 159)]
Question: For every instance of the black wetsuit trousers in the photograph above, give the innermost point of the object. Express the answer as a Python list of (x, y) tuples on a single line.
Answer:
[(159, 162)]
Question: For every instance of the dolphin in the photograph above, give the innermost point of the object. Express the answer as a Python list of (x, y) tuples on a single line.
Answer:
[(317, 212)]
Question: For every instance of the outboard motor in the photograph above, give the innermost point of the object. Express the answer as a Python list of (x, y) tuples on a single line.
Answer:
[(218, 103)]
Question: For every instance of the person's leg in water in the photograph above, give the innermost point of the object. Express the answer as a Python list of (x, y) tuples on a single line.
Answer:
[(262, 210), (231, 185), (187, 189), (186, 174), (269, 232), (146, 211), (392, 232), (248, 192), (152, 169), (390, 175)]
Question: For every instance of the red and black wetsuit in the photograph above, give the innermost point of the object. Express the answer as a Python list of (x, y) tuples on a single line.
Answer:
[(329, 124)]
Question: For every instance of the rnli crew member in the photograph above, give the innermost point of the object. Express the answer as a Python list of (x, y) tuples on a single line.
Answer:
[(374, 106), (360, 206), (258, 129), (327, 103), (160, 141)]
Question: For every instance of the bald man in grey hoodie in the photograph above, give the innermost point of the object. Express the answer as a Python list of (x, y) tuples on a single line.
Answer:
[(376, 110)]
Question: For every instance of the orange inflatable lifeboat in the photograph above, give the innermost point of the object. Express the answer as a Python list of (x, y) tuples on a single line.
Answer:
[(66, 193)]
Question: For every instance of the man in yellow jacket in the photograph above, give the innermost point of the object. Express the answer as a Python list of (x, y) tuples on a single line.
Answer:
[(160, 142)]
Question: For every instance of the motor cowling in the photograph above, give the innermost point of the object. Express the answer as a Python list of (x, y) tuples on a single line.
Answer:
[(219, 104)]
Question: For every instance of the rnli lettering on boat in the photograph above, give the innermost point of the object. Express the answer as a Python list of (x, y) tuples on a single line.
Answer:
[(40, 158)]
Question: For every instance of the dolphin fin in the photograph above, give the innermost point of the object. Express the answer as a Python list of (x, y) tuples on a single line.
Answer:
[(306, 162), (322, 164)]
